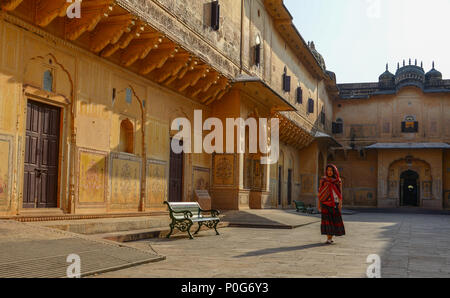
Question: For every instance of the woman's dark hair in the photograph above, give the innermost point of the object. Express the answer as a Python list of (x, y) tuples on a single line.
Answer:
[(332, 168)]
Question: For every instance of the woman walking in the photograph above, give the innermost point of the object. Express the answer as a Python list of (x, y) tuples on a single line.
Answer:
[(330, 204)]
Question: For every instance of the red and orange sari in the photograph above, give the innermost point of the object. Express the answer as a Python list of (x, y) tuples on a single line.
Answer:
[(329, 193)]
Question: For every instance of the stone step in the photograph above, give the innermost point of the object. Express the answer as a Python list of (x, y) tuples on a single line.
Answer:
[(108, 225), (161, 232)]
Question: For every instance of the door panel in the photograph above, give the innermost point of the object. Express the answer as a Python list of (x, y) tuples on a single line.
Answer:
[(41, 156), (289, 196), (280, 202), (176, 177)]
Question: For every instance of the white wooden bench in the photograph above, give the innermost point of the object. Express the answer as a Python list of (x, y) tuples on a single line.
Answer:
[(185, 214)]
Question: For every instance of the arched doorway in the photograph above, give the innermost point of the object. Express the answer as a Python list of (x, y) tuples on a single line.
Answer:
[(409, 188)]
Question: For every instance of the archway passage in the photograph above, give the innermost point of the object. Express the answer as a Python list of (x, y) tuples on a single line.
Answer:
[(409, 192)]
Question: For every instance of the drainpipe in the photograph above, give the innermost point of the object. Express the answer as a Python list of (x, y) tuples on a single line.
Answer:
[(242, 38)]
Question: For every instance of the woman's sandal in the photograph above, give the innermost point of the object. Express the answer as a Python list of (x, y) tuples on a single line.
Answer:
[(329, 242)]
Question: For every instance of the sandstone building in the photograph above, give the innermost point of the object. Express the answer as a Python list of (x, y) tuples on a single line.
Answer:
[(395, 134), (86, 107), (87, 104)]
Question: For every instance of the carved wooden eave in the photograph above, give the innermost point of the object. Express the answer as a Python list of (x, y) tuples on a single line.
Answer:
[(292, 134), (116, 34), (284, 25)]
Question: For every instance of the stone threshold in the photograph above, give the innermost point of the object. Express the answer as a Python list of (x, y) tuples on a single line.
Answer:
[(36, 217)]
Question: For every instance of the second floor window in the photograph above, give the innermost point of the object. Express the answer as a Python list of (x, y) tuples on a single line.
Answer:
[(410, 125), (322, 117), (310, 106), (215, 15), (338, 126), (286, 81), (258, 51), (299, 95)]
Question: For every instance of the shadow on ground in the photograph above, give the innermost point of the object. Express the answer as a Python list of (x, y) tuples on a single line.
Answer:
[(269, 251)]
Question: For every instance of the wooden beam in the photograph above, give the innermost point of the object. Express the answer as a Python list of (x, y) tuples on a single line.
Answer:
[(209, 96), (204, 83), (191, 78), (110, 31), (48, 10), (125, 40), (170, 69), (10, 4), (140, 47), (158, 58), (92, 12)]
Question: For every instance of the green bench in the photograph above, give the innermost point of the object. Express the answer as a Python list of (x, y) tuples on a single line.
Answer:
[(185, 214), (300, 206)]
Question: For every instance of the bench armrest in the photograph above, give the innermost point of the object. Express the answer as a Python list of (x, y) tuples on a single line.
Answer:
[(187, 214), (214, 213)]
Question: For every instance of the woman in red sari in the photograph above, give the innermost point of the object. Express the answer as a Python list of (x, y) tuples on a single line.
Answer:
[(330, 204)]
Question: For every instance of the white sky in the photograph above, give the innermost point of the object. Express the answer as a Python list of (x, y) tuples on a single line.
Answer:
[(358, 37)]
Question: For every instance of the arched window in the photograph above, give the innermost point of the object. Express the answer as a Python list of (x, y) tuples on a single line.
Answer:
[(258, 51), (286, 81), (126, 142), (47, 83), (128, 95), (410, 124), (338, 126)]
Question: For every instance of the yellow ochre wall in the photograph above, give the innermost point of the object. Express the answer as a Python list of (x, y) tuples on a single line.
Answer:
[(104, 179)]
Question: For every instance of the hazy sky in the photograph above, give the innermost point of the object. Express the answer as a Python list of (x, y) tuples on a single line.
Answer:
[(358, 37)]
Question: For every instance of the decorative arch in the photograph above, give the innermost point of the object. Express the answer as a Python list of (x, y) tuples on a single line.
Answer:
[(409, 164), (126, 143), (175, 114), (32, 84), (48, 61)]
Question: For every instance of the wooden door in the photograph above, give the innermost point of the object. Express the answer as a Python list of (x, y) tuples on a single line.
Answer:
[(176, 176), (41, 156), (289, 186), (280, 202)]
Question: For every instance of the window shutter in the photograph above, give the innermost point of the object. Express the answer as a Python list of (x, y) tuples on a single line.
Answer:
[(215, 15), (334, 128), (257, 54), (299, 95), (403, 126), (311, 106), (322, 117), (286, 83), (416, 126)]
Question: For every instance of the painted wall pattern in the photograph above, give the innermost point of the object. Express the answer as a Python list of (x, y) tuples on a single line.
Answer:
[(125, 179), (201, 178), (224, 169), (92, 177), (156, 184), (4, 172)]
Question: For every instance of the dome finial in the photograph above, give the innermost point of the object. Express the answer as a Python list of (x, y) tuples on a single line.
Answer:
[(415, 63), (421, 64), (398, 65), (387, 66), (403, 62), (433, 64), (409, 61)]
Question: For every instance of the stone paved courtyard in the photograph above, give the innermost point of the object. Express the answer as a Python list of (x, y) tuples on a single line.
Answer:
[(410, 245)]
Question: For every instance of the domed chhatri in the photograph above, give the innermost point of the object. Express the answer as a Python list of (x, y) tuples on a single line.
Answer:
[(410, 75), (386, 79), (433, 77)]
